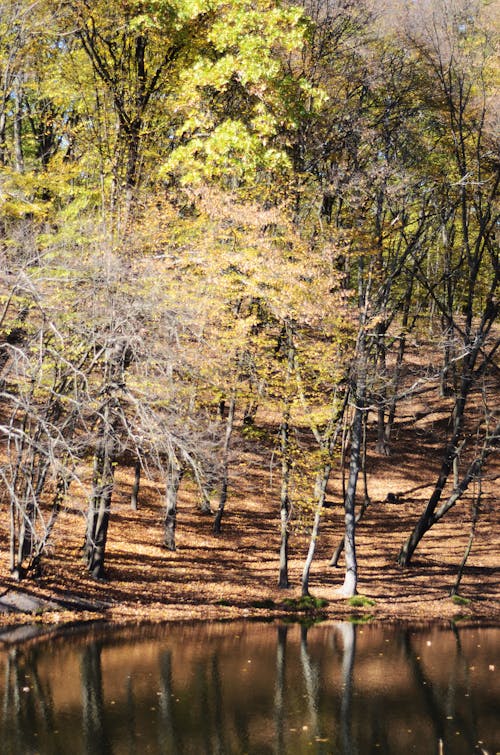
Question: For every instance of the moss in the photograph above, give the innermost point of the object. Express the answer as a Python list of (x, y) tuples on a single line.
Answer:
[(305, 603), (360, 601), (460, 601)]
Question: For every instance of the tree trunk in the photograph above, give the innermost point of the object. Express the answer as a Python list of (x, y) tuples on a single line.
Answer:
[(225, 465), (100, 503), (348, 589), (62, 485), (117, 359), (134, 498), (18, 138), (321, 483), (475, 517), (205, 506), (286, 465), (340, 547), (3, 124), (175, 474), (391, 414), (283, 581), (426, 520), (473, 472), (328, 443), (35, 473), (381, 445)]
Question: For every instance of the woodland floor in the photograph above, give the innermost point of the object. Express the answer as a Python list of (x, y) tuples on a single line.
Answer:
[(234, 575)]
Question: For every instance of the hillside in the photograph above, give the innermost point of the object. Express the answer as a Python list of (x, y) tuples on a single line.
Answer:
[(234, 575)]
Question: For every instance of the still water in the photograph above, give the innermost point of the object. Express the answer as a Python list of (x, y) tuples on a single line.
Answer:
[(251, 688)]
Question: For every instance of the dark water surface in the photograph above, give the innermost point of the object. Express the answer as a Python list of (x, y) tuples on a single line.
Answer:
[(252, 688)]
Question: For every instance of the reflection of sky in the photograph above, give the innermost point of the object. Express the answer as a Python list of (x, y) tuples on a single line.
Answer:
[(254, 688)]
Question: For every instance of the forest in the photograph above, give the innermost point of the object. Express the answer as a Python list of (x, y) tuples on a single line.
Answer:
[(225, 221)]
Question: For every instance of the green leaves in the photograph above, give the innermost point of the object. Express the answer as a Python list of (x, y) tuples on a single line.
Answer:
[(231, 153), (232, 101)]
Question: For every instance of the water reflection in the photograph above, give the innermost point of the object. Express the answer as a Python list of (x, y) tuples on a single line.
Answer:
[(254, 689)]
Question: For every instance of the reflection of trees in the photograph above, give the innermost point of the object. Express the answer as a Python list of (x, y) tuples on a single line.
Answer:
[(168, 734), (311, 680), (279, 699), (130, 719), (27, 706), (204, 710), (347, 631), (212, 716), (95, 735), (218, 709), (439, 707), (461, 666), (423, 684)]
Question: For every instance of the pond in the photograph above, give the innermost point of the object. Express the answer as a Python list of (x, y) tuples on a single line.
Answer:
[(254, 688)]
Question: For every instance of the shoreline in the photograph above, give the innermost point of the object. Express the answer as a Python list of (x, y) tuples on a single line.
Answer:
[(39, 616)]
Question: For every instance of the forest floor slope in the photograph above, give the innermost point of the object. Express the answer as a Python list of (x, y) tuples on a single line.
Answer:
[(234, 575)]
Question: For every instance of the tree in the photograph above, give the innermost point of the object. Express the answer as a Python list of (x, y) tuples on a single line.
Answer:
[(43, 390), (196, 86), (456, 61)]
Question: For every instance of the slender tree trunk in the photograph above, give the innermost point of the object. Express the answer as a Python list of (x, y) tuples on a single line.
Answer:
[(35, 475), (337, 421), (17, 501), (340, 547), (18, 137), (286, 462), (283, 581), (134, 498), (225, 465), (117, 359), (348, 589), (3, 123), (381, 446), (62, 486), (102, 489), (203, 488), (320, 494), (175, 473), (27, 524), (426, 520), (12, 538), (473, 472), (205, 506), (391, 414), (34, 484), (475, 516)]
